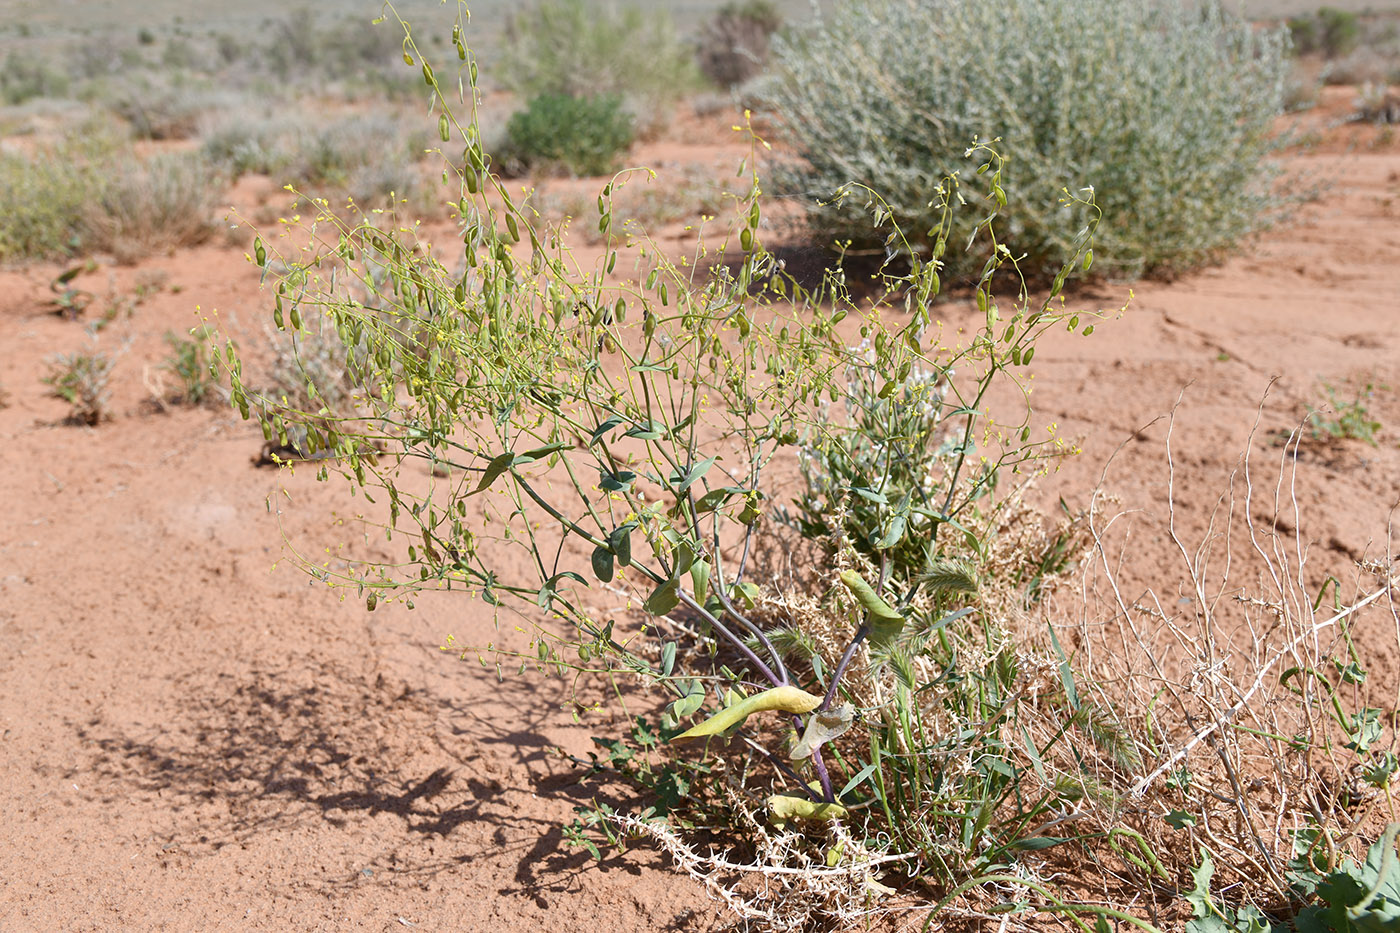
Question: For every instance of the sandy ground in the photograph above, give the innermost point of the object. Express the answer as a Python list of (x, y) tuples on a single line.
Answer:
[(193, 737)]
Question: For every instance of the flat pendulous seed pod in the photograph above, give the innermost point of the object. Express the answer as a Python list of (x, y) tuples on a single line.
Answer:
[(782, 699), (781, 807), (871, 601)]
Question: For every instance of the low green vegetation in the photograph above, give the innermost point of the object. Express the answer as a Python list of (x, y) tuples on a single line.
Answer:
[(90, 193), (580, 135), (81, 379), (189, 363), (1328, 31), (1345, 420)]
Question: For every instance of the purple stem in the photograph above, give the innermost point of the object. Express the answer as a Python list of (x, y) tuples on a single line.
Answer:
[(827, 793), (859, 637)]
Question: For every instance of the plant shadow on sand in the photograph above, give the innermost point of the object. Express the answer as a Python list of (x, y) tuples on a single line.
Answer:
[(273, 752)]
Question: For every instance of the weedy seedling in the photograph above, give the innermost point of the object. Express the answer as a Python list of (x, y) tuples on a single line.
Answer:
[(80, 379), (1345, 420), (189, 362)]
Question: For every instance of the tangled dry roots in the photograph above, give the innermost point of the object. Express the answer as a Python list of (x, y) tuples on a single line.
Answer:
[(783, 889)]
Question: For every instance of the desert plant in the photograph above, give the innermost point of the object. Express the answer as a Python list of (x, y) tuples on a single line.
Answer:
[(587, 48), (623, 425), (190, 363), (161, 112), (80, 379), (582, 135), (1167, 113), (1345, 420), (24, 76), (156, 204), (733, 46), (44, 195), (1329, 31)]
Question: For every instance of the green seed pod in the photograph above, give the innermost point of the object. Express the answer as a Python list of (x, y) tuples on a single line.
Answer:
[(781, 808), (871, 601), (444, 131), (781, 699)]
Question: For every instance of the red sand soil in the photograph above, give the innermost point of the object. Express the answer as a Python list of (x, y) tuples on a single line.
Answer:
[(193, 737)]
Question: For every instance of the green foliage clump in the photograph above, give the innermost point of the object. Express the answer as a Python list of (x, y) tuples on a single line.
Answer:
[(1167, 114), (80, 379), (628, 422), (1345, 420), (582, 135), (578, 48), (1329, 31), (734, 45)]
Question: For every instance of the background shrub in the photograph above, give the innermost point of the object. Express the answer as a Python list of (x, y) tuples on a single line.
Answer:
[(576, 48), (1166, 114), (43, 195), (734, 45), (24, 76), (1331, 31), (583, 135), (152, 205)]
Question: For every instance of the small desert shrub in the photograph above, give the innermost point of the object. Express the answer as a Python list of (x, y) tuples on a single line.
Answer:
[(733, 47), (1360, 67), (44, 195), (1167, 114), (1329, 31), (156, 111), (24, 76), (582, 135), (577, 48), (153, 205), (365, 156), (242, 144), (80, 379)]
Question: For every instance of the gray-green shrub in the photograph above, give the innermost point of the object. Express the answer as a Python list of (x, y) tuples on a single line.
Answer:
[(1167, 114), (43, 194), (152, 205)]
